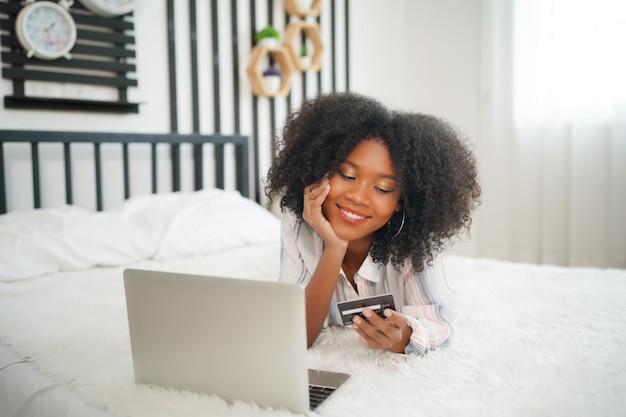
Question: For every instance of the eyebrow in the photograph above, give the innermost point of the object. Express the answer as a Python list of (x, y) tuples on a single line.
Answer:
[(385, 176)]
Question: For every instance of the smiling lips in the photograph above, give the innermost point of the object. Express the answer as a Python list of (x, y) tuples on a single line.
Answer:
[(351, 216)]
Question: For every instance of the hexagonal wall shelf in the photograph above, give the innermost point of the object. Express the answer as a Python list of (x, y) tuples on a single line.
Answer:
[(282, 58), (312, 32), (298, 8)]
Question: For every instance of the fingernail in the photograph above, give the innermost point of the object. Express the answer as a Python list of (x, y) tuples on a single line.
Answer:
[(367, 313), (356, 320), (388, 312)]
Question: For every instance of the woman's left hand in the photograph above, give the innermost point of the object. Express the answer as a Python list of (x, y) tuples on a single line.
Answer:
[(391, 333)]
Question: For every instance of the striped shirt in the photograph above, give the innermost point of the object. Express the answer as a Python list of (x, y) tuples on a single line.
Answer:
[(423, 297)]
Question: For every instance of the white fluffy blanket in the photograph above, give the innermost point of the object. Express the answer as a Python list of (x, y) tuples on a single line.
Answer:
[(530, 341)]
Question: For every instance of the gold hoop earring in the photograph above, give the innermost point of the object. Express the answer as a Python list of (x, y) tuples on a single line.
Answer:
[(401, 226)]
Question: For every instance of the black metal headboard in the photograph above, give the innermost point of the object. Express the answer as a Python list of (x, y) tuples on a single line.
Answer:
[(35, 138)]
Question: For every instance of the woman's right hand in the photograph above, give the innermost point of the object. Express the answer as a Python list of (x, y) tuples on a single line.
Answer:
[(314, 196)]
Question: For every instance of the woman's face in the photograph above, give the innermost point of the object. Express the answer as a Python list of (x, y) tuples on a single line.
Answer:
[(364, 192)]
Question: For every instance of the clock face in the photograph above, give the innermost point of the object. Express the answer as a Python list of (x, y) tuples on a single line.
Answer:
[(46, 30)]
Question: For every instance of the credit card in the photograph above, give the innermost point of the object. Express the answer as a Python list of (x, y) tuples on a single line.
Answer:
[(377, 303)]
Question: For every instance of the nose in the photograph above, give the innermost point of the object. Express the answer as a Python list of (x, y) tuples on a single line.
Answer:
[(359, 194)]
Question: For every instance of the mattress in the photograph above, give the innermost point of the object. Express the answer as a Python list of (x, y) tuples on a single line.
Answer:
[(529, 339)]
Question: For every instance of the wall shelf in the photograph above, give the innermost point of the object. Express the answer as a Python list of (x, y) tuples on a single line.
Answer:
[(282, 58), (294, 8), (293, 36), (51, 103), (103, 57)]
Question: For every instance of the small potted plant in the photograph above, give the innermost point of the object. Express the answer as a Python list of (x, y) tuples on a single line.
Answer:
[(268, 36), (273, 78), (304, 54)]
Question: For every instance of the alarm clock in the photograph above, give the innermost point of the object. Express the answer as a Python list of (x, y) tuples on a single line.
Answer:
[(110, 8), (45, 29)]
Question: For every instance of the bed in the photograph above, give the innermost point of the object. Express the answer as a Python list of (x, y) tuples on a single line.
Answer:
[(530, 340)]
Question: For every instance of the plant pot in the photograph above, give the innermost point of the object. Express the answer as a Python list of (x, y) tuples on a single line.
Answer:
[(269, 42), (305, 60), (272, 82)]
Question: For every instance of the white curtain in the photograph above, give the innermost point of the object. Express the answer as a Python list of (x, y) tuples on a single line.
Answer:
[(552, 148)]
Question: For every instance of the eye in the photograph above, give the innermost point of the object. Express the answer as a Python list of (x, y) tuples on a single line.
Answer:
[(346, 177), (384, 191)]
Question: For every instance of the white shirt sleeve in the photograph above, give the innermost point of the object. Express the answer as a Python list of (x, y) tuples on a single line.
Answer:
[(292, 267), (429, 308), (301, 250)]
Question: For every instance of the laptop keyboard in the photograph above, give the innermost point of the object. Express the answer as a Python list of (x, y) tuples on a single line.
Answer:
[(317, 394)]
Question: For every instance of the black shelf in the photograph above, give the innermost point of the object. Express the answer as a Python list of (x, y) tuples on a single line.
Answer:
[(104, 56), (49, 103)]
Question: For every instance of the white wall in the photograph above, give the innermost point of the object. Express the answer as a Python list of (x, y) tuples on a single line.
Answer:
[(423, 56), (419, 55)]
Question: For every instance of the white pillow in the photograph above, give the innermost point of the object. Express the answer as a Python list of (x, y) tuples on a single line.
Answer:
[(201, 222), (160, 226), (42, 241)]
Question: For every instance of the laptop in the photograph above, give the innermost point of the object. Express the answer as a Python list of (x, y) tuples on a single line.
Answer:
[(239, 339)]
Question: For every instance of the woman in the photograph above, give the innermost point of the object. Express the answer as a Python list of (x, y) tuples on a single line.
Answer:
[(369, 199)]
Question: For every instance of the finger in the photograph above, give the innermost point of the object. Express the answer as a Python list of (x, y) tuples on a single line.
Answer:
[(389, 328), (311, 187), (321, 195), (397, 319), (313, 201), (382, 324), (368, 329), (317, 190), (364, 338), (363, 341)]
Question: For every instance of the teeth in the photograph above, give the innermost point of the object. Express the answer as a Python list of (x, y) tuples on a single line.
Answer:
[(352, 215)]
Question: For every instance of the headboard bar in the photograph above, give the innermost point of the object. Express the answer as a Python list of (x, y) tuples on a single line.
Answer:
[(34, 149), (68, 172), (3, 193), (239, 142)]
